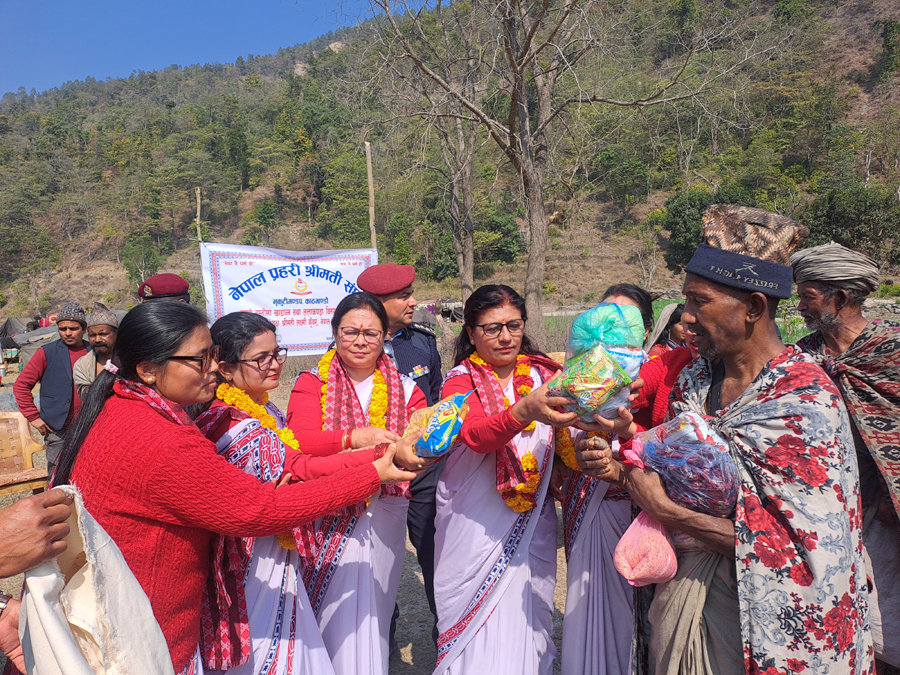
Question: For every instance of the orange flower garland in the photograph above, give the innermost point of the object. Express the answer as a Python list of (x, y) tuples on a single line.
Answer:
[(522, 371), (516, 499), (241, 400)]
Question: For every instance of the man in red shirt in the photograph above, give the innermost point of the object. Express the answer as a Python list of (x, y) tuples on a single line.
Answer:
[(52, 366)]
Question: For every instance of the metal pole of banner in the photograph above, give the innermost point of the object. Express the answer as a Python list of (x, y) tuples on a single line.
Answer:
[(371, 195)]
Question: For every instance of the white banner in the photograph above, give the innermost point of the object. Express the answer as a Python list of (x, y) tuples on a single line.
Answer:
[(296, 291)]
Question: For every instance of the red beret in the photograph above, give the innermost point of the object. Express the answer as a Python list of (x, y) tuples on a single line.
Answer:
[(163, 286), (386, 279)]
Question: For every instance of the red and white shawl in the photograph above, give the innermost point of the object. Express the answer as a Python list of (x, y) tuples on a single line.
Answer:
[(509, 465)]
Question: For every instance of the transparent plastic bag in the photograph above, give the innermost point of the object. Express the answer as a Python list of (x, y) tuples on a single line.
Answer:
[(694, 462), (603, 357), (645, 553), (440, 425)]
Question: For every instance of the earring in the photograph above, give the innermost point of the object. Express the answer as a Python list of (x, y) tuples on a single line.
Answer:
[(151, 380)]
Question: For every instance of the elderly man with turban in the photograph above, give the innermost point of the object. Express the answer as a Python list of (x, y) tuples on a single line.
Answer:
[(102, 326), (779, 586), (863, 358)]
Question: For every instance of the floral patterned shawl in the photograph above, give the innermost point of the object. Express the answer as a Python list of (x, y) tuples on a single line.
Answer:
[(798, 526), (868, 375)]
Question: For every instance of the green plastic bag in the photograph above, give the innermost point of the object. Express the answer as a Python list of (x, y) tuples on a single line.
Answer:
[(603, 356)]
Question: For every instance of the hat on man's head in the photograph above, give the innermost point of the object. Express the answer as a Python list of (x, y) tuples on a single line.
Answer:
[(164, 285), (749, 249), (102, 316), (72, 311), (386, 279), (836, 265)]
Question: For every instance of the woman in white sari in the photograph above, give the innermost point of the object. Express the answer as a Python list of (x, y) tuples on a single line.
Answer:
[(269, 628), (495, 541), (598, 625), (352, 559)]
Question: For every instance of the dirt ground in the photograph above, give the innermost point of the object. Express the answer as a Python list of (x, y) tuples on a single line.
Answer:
[(417, 653)]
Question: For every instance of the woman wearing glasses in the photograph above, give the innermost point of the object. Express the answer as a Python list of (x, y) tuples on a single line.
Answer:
[(352, 559), (160, 489), (495, 540), (250, 431)]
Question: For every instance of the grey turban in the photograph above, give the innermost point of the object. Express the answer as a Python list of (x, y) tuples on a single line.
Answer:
[(836, 265)]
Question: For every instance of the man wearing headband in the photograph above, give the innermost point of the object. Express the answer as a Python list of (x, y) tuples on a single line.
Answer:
[(780, 586), (863, 359)]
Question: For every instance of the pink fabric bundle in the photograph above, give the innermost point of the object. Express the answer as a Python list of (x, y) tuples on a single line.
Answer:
[(645, 553)]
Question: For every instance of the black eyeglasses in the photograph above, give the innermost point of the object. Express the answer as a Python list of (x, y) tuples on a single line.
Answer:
[(205, 361), (264, 362), (515, 327)]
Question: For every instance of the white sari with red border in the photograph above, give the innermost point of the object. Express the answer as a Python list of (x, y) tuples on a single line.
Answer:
[(495, 569)]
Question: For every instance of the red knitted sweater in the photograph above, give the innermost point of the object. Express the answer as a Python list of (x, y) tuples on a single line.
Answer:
[(659, 375), (161, 491)]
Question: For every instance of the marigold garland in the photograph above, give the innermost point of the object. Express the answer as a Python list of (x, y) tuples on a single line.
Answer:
[(565, 448), (378, 407), (521, 378), (241, 400), (522, 498)]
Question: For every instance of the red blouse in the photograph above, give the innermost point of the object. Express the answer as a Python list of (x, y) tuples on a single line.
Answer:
[(481, 432)]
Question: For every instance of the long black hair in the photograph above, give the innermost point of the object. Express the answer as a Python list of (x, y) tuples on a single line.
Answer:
[(641, 298), (151, 332), (485, 298), (355, 301)]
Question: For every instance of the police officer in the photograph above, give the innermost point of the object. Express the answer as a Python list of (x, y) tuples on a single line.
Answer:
[(413, 347), (166, 286)]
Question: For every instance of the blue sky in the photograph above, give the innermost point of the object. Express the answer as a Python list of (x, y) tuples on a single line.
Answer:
[(44, 43)]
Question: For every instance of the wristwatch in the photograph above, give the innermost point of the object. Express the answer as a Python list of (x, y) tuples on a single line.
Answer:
[(4, 601)]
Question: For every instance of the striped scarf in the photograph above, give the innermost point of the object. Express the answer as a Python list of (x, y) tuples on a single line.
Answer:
[(510, 472)]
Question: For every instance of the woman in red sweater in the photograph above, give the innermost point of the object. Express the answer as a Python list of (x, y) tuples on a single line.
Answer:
[(353, 558), (159, 488)]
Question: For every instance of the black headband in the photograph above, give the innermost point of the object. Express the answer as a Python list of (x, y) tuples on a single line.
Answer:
[(741, 271)]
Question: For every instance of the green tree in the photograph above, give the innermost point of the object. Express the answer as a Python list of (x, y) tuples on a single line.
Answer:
[(261, 222), (858, 217), (344, 214), (140, 258)]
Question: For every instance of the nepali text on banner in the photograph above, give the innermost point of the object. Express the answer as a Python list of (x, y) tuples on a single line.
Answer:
[(295, 290)]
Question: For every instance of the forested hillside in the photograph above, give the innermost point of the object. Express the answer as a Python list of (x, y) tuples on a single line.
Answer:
[(98, 178)]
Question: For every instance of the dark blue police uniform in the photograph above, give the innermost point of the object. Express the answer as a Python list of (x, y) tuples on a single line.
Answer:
[(416, 355)]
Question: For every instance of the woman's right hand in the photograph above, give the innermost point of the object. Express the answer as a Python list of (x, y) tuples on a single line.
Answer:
[(368, 436), (388, 472), (539, 406)]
